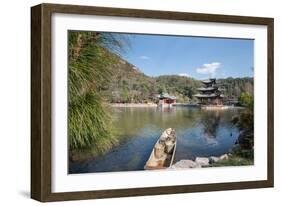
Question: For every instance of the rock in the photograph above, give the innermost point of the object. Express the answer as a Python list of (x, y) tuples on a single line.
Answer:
[(169, 146), (159, 150), (224, 157), (203, 161), (213, 159), (168, 131), (163, 136), (185, 164), (168, 139), (168, 134)]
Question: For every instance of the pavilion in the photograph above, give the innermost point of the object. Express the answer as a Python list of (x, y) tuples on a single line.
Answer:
[(210, 94)]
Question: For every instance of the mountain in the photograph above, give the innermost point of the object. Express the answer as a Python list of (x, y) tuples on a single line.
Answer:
[(129, 85)]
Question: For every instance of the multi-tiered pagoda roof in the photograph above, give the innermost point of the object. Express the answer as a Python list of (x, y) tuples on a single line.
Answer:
[(210, 93)]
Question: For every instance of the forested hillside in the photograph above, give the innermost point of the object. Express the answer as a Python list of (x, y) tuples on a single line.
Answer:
[(235, 86), (129, 85)]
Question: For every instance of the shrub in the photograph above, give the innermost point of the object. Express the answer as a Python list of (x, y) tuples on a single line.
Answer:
[(90, 62)]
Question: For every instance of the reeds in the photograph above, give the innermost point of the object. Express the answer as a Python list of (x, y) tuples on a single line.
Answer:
[(90, 67)]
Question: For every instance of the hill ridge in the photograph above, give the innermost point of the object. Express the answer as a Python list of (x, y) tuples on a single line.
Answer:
[(130, 85)]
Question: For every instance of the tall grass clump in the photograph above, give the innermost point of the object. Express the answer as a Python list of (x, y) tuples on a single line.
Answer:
[(90, 67)]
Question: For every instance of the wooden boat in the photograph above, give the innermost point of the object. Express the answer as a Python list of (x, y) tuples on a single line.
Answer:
[(163, 153)]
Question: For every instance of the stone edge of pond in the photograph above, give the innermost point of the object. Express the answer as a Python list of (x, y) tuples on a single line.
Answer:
[(199, 162)]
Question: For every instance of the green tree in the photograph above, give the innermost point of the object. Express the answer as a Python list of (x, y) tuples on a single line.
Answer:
[(246, 100), (125, 95), (188, 91)]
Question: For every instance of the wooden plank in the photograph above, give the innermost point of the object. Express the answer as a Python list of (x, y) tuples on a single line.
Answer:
[(36, 83)]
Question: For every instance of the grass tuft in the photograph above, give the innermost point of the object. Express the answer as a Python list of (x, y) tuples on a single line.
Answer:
[(90, 67)]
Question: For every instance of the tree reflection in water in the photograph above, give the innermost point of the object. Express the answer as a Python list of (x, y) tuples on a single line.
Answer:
[(210, 123)]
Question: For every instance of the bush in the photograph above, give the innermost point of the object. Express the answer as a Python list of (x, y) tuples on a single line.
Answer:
[(232, 161), (246, 100), (245, 123), (90, 62)]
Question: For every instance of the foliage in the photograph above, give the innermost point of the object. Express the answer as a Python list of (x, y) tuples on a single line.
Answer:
[(129, 85), (245, 123), (234, 87), (182, 87), (90, 65), (89, 123), (232, 161), (245, 142), (246, 100)]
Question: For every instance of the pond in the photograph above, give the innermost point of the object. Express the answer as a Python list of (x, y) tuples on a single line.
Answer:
[(199, 133)]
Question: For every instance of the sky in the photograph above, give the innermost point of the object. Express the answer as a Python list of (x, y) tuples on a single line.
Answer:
[(196, 57)]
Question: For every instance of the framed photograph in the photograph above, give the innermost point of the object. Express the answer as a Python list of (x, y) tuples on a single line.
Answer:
[(130, 102)]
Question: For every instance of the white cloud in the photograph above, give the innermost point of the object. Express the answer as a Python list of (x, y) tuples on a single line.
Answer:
[(144, 57), (184, 75), (210, 68)]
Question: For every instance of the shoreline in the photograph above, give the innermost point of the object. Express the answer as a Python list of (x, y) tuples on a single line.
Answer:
[(150, 105), (133, 105), (227, 159), (153, 105)]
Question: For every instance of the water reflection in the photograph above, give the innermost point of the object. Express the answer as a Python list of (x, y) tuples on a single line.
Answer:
[(210, 124), (199, 133)]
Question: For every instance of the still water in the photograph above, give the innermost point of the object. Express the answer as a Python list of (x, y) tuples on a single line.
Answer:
[(199, 133)]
